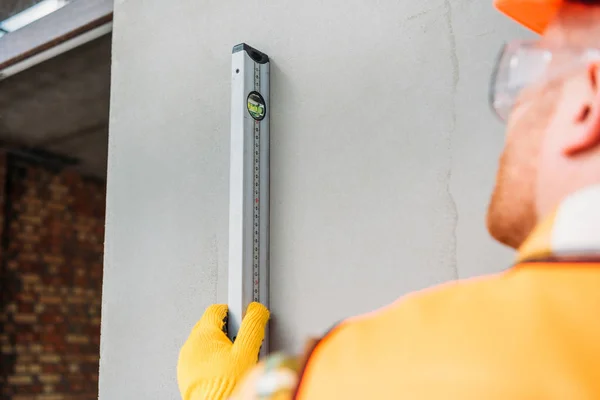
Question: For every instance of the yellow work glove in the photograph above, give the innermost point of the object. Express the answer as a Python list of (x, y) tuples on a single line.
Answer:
[(210, 365)]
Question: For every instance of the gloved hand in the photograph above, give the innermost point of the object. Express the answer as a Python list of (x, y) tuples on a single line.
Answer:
[(210, 365)]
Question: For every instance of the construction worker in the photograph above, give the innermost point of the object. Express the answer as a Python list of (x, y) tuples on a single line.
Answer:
[(532, 332)]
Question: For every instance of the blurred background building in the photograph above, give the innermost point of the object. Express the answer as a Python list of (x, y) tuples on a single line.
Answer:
[(54, 108)]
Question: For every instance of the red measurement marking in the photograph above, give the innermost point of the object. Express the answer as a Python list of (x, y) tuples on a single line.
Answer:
[(256, 201)]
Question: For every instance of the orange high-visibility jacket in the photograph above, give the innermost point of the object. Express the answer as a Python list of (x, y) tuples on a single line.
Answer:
[(532, 332)]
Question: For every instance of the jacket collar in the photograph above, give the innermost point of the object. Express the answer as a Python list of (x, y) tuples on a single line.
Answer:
[(572, 231)]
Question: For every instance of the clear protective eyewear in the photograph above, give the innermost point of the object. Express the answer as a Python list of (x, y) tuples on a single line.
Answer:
[(523, 64)]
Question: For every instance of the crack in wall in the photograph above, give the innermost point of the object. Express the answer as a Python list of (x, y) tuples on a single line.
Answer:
[(455, 80), (418, 15)]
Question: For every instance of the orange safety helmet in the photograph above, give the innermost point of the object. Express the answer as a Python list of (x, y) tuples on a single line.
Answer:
[(533, 14)]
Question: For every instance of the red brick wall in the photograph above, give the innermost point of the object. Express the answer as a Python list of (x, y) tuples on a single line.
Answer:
[(51, 280)]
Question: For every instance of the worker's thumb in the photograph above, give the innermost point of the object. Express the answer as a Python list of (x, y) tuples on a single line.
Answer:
[(252, 332), (213, 319)]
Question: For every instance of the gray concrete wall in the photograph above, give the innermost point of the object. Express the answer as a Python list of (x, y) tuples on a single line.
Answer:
[(383, 157)]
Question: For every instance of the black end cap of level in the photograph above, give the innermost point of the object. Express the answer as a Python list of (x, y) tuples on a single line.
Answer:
[(254, 54)]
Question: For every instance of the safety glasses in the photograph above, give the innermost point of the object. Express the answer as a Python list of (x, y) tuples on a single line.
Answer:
[(524, 64)]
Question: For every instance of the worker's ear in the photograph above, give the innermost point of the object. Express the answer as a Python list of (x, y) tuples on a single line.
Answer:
[(586, 133)]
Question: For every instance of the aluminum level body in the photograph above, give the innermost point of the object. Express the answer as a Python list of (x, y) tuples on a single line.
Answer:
[(249, 185)]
